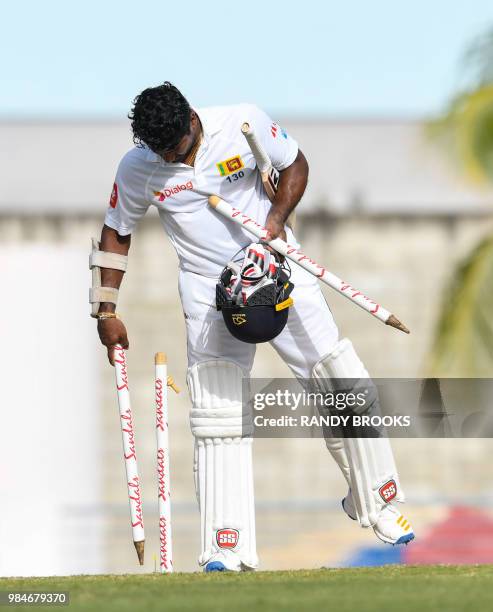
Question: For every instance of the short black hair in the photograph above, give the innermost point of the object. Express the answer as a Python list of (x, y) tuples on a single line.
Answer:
[(160, 117)]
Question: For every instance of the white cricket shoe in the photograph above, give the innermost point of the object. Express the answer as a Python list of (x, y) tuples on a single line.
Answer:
[(391, 527), (224, 561)]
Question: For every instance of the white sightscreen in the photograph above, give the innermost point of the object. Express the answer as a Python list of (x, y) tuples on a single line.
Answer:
[(50, 439)]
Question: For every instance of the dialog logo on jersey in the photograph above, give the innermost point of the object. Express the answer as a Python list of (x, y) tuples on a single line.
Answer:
[(228, 166), (388, 491), (167, 192), (227, 538), (239, 319), (114, 196)]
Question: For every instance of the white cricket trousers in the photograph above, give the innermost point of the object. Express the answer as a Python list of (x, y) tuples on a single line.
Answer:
[(309, 335)]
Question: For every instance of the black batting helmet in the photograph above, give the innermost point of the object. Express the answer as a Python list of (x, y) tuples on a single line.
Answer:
[(254, 297)]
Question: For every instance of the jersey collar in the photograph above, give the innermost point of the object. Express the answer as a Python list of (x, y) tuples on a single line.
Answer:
[(209, 125)]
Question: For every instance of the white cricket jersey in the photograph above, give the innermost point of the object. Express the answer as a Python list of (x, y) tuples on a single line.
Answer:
[(225, 166)]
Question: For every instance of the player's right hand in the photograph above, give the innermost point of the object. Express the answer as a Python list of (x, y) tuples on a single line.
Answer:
[(112, 332)]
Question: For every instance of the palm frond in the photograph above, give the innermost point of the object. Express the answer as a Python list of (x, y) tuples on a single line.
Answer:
[(466, 132), (463, 345)]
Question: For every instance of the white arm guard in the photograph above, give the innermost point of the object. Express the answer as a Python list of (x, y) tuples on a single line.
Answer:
[(102, 259)]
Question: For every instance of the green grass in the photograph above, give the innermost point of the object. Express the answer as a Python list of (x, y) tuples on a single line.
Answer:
[(382, 589)]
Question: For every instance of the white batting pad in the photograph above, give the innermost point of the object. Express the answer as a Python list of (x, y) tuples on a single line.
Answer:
[(223, 469), (215, 390), (374, 478), (367, 463)]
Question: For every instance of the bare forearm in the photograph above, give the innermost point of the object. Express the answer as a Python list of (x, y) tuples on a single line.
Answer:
[(112, 242), (292, 185)]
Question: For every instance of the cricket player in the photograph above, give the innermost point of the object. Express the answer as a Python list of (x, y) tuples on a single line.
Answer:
[(182, 156)]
